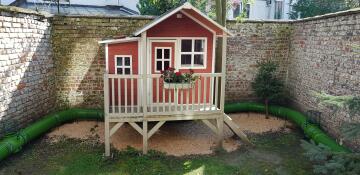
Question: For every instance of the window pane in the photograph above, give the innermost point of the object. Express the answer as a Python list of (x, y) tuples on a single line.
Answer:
[(199, 45), (236, 10), (186, 45), (127, 61), (198, 60), (278, 9), (127, 71), (166, 53), (166, 64), (186, 59), (119, 71), (158, 53), (119, 61), (158, 65)]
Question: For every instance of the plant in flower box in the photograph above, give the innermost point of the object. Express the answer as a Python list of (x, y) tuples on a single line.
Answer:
[(178, 80)]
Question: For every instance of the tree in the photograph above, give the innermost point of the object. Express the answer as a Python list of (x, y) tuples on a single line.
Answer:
[(309, 8), (267, 85), (159, 7)]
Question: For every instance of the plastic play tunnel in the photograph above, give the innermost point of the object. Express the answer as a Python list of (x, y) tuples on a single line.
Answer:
[(12, 144), (310, 130)]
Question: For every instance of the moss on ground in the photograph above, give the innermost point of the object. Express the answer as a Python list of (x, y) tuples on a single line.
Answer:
[(275, 153)]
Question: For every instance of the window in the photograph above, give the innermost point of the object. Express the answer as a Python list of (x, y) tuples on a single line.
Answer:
[(240, 8), (247, 11), (123, 65), (193, 53), (162, 58), (236, 8), (278, 9)]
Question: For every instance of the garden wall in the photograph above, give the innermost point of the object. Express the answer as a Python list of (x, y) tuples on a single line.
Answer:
[(254, 41), (324, 57), (26, 68), (79, 59), (45, 68)]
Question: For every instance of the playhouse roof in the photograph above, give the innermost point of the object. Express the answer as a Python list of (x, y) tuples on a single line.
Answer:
[(191, 12)]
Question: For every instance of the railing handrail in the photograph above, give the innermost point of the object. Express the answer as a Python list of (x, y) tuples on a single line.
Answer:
[(159, 75)]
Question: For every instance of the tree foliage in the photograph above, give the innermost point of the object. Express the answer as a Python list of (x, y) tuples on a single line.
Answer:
[(159, 7), (309, 8), (267, 85), (347, 102), (330, 163)]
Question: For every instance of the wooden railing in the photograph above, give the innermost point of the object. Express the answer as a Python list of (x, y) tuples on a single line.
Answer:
[(137, 95)]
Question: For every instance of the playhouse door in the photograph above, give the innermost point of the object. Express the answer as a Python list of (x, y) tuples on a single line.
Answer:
[(162, 57)]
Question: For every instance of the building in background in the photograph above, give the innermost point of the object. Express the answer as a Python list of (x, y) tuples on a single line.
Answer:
[(81, 7), (261, 9)]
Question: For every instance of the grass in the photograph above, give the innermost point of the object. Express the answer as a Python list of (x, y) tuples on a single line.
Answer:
[(275, 153)]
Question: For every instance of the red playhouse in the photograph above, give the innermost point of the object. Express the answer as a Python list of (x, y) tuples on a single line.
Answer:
[(165, 72)]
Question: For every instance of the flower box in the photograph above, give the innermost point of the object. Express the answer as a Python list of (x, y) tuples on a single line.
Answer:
[(177, 85)]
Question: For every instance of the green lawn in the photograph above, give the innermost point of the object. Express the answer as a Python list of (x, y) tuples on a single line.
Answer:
[(275, 153)]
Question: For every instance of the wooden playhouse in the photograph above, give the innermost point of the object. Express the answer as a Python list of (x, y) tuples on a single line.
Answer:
[(134, 88)]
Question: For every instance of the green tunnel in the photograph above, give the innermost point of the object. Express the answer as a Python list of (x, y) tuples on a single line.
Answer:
[(14, 143)]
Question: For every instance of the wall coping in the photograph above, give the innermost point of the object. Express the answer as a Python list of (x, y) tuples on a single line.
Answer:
[(13, 9), (329, 15), (107, 17)]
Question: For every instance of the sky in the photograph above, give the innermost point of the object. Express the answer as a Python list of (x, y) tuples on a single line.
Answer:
[(6, 2)]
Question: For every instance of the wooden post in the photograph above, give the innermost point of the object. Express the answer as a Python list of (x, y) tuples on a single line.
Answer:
[(106, 108), (220, 132), (223, 71), (144, 73), (145, 136)]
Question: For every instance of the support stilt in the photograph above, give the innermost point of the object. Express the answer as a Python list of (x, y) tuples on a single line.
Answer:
[(107, 137), (145, 136), (220, 130)]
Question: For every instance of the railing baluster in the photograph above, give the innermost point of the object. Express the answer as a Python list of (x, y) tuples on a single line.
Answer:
[(163, 98), (126, 94), (132, 95), (157, 95), (205, 92), (211, 92), (193, 96), (169, 100), (182, 99), (199, 92), (112, 96), (216, 92), (187, 98), (119, 95)]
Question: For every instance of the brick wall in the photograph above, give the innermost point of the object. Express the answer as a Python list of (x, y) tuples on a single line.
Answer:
[(313, 54), (79, 59), (323, 58), (254, 42), (26, 69)]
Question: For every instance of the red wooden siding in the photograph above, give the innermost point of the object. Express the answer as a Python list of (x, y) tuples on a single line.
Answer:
[(184, 27), (129, 48)]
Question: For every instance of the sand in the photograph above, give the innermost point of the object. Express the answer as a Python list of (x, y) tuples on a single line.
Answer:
[(174, 138)]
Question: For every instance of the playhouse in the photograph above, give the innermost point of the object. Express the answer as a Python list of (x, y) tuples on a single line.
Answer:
[(135, 89)]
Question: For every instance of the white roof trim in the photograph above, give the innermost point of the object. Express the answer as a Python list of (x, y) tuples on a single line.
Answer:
[(121, 40), (186, 5)]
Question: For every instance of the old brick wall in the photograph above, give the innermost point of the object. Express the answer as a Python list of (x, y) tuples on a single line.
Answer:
[(79, 59), (255, 41), (324, 58), (26, 69)]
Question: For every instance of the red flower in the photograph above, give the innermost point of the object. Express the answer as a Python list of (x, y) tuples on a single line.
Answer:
[(162, 72), (178, 73)]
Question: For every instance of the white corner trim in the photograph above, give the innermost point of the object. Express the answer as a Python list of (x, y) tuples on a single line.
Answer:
[(122, 40), (186, 5)]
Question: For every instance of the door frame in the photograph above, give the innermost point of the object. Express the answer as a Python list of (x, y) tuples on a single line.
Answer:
[(149, 59)]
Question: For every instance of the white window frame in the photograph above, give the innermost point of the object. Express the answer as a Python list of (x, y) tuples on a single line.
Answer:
[(162, 58), (192, 53), (123, 64)]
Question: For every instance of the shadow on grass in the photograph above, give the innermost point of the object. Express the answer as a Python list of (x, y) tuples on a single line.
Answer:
[(275, 154)]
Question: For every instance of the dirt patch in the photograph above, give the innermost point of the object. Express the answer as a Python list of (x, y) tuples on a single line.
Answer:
[(174, 138)]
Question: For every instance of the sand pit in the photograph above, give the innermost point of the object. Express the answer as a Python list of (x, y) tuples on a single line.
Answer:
[(174, 138)]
